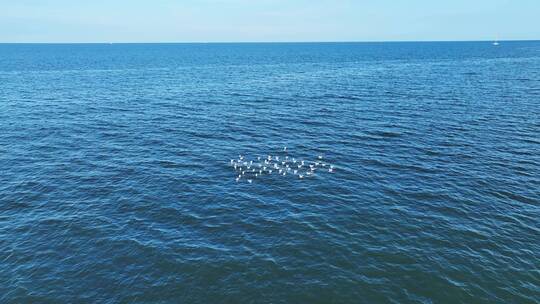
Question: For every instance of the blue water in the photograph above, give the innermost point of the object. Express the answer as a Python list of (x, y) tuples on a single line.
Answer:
[(115, 183)]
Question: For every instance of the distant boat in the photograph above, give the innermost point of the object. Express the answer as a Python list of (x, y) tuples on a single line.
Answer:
[(495, 43)]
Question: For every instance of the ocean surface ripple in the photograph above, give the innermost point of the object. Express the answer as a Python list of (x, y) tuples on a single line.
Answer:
[(116, 185)]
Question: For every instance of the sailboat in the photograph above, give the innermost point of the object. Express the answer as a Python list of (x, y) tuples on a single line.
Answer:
[(496, 42)]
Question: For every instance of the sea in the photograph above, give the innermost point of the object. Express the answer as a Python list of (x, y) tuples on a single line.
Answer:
[(116, 184)]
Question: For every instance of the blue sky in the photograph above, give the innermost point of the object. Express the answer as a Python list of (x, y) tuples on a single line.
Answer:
[(266, 20)]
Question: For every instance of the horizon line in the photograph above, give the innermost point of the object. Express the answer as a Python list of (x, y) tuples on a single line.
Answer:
[(270, 42)]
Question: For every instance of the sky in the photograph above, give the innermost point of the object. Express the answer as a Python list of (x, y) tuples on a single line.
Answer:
[(267, 20)]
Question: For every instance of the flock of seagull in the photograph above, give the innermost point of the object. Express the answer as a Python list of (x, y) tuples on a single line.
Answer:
[(277, 165)]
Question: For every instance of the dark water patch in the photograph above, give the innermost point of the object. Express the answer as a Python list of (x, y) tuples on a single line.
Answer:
[(168, 164), (517, 197), (385, 134)]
